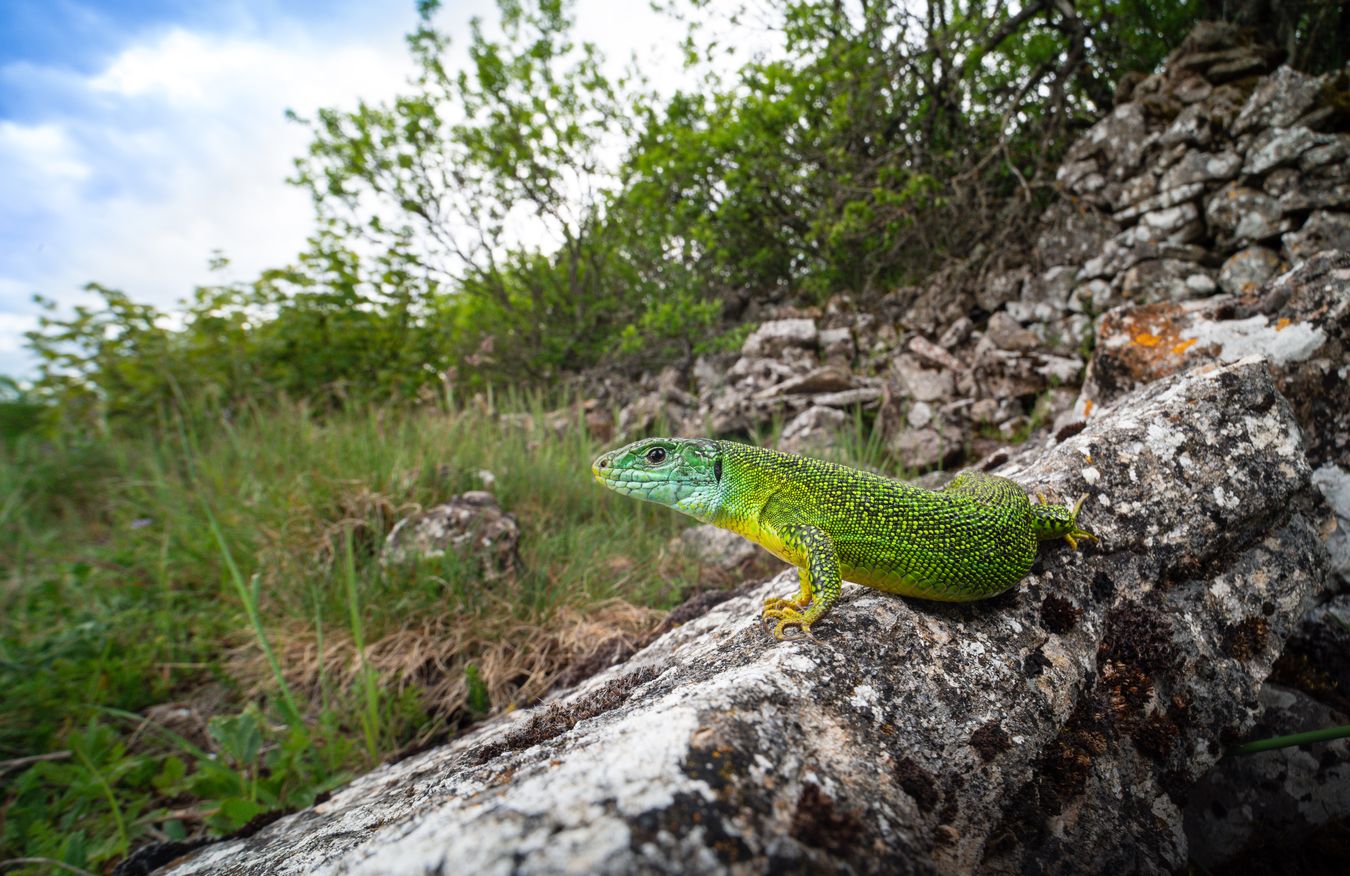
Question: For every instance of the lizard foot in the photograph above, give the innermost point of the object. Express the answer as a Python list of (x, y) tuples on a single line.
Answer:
[(786, 616), (1076, 532)]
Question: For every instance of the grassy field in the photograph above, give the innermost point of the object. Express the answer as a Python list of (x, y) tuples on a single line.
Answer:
[(195, 628)]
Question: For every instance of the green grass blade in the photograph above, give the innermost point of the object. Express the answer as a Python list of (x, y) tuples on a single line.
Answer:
[(1323, 735)]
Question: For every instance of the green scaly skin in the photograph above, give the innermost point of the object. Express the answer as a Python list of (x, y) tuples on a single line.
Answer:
[(972, 539)]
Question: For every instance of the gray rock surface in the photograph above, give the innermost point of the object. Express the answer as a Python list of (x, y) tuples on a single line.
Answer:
[(1289, 793), (815, 428), (1056, 727), (1300, 322), (1263, 812)]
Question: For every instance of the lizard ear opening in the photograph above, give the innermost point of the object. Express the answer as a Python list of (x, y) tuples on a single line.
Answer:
[(717, 470)]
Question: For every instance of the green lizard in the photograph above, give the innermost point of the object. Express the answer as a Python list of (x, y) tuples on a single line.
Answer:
[(970, 540)]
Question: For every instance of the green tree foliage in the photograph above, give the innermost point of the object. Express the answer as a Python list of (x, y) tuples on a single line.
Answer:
[(493, 181), (879, 139)]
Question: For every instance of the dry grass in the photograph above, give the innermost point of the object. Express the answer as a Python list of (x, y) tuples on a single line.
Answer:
[(518, 661)]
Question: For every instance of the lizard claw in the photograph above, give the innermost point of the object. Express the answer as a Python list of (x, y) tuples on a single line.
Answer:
[(787, 616)]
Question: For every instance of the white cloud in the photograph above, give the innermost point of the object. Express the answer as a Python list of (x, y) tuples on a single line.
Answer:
[(12, 328), (40, 155), (177, 148)]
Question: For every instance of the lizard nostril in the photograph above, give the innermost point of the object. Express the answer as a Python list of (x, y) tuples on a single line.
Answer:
[(604, 463)]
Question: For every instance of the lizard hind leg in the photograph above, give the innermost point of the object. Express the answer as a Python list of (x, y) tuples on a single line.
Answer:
[(1059, 521)]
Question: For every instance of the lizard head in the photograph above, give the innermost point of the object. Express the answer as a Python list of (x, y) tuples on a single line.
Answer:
[(680, 473)]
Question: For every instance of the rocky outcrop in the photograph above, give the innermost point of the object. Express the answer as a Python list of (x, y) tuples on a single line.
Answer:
[(1058, 727), (1300, 322), (473, 527), (1175, 345)]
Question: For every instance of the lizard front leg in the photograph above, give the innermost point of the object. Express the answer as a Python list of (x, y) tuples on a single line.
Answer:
[(814, 555), (800, 599)]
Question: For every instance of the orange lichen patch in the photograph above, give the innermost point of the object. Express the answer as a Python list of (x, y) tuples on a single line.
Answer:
[(1284, 323), (1087, 407), (1146, 342)]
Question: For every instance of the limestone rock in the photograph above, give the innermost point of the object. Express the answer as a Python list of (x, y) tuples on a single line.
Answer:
[(1071, 234), (1287, 794), (919, 383), (1300, 322), (1005, 333), (1258, 812), (1248, 269), (815, 428), (919, 449), (1278, 101), (837, 347), (1243, 215), (1166, 280), (938, 354), (820, 380), (1058, 727), (772, 337), (471, 525), (1278, 146), (717, 547), (1332, 480), (1201, 167), (1324, 230)]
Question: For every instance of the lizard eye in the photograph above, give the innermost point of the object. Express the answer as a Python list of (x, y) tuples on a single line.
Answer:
[(656, 455)]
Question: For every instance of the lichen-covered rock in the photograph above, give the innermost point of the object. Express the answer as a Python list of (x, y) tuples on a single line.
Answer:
[(472, 526), (1300, 322), (1166, 280), (772, 337), (1248, 269), (1278, 146), (1333, 481), (1005, 333), (1244, 215), (1279, 101), (1323, 230), (1057, 727), (1257, 813), (923, 447), (1289, 795)]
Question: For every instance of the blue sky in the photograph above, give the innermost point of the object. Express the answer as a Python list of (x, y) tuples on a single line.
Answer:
[(138, 137)]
